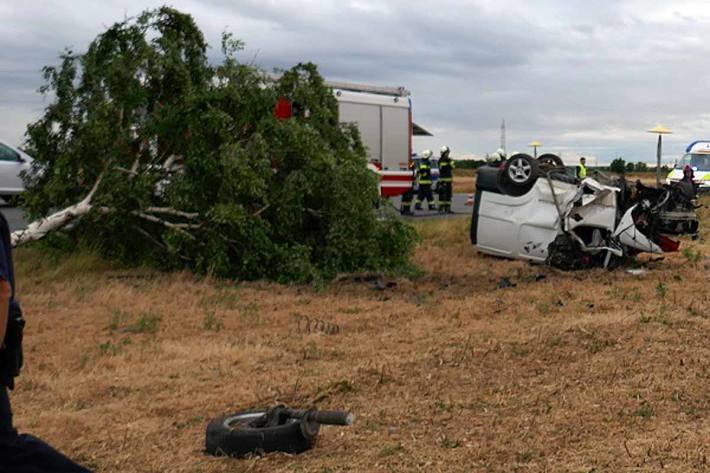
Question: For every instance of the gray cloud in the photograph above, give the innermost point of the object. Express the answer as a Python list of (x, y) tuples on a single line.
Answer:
[(582, 77)]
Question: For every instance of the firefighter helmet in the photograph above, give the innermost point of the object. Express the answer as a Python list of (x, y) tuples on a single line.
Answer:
[(444, 150), (426, 154)]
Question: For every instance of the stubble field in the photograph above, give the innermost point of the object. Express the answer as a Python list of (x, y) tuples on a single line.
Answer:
[(585, 371)]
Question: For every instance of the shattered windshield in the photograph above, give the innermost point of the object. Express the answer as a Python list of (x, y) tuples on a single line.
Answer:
[(699, 162)]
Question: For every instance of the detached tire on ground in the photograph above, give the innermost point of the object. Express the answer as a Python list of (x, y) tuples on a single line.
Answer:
[(518, 175), (240, 434)]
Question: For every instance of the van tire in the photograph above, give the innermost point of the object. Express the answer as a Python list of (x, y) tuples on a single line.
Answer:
[(236, 436), (550, 159), (519, 174)]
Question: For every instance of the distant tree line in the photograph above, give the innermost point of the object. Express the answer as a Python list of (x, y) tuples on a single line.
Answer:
[(620, 166)]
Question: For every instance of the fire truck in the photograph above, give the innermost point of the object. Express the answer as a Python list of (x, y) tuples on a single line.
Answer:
[(384, 117)]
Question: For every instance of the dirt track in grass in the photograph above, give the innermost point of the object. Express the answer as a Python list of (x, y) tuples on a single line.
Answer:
[(587, 371)]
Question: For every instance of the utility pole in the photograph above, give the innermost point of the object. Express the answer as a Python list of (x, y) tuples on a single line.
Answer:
[(502, 135), (660, 131)]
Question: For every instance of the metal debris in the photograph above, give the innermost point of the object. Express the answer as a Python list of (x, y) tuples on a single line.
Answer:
[(505, 283), (305, 324)]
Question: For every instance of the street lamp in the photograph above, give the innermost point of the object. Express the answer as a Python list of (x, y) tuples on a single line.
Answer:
[(535, 145), (660, 131)]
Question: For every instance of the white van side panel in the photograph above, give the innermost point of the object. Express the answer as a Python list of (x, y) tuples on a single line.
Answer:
[(520, 227), (384, 124), (395, 138), (368, 120)]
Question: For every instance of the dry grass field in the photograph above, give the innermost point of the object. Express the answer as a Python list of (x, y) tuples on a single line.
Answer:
[(568, 372)]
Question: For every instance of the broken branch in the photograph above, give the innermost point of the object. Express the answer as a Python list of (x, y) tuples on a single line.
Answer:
[(39, 228)]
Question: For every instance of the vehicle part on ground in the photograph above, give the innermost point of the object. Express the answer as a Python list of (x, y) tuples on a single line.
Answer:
[(518, 175), (550, 159), (279, 429), (677, 206), (628, 234), (505, 283), (572, 224), (305, 324), (567, 253)]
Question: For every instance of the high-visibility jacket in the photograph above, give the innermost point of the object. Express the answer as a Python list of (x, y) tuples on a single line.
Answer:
[(581, 171), (424, 172), (446, 169)]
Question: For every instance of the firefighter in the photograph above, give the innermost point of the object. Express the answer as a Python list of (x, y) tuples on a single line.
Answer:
[(496, 159), (446, 177), (407, 197), (582, 168), (424, 181)]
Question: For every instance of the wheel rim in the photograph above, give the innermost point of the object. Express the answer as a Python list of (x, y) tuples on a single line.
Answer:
[(243, 421), (519, 170)]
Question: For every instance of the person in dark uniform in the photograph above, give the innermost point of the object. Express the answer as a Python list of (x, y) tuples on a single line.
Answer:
[(446, 177), (424, 181), (407, 197), (688, 189), (18, 453)]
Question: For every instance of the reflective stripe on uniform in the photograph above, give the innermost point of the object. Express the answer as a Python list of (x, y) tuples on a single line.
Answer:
[(444, 179)]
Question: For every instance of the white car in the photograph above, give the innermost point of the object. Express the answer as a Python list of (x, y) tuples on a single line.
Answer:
[(530, 209), (12, 162)]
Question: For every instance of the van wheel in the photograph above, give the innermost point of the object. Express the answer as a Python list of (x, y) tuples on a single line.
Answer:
[(550, 159), (518, 175), (246, 433)]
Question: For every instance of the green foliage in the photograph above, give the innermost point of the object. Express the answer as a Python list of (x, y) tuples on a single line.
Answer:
[(257, 197), (211, 322), (147, 323), (661, 290), (618, 166), (640, 167), (691, 254)]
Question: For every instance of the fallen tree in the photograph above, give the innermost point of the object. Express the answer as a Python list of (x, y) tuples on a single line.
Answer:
[(154, 156)]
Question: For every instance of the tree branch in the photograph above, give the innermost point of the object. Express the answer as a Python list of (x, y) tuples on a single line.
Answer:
[(179, 227), (39, 228), (171, 211)]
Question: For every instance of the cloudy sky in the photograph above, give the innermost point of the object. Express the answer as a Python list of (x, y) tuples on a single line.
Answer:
[(582, 77)]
